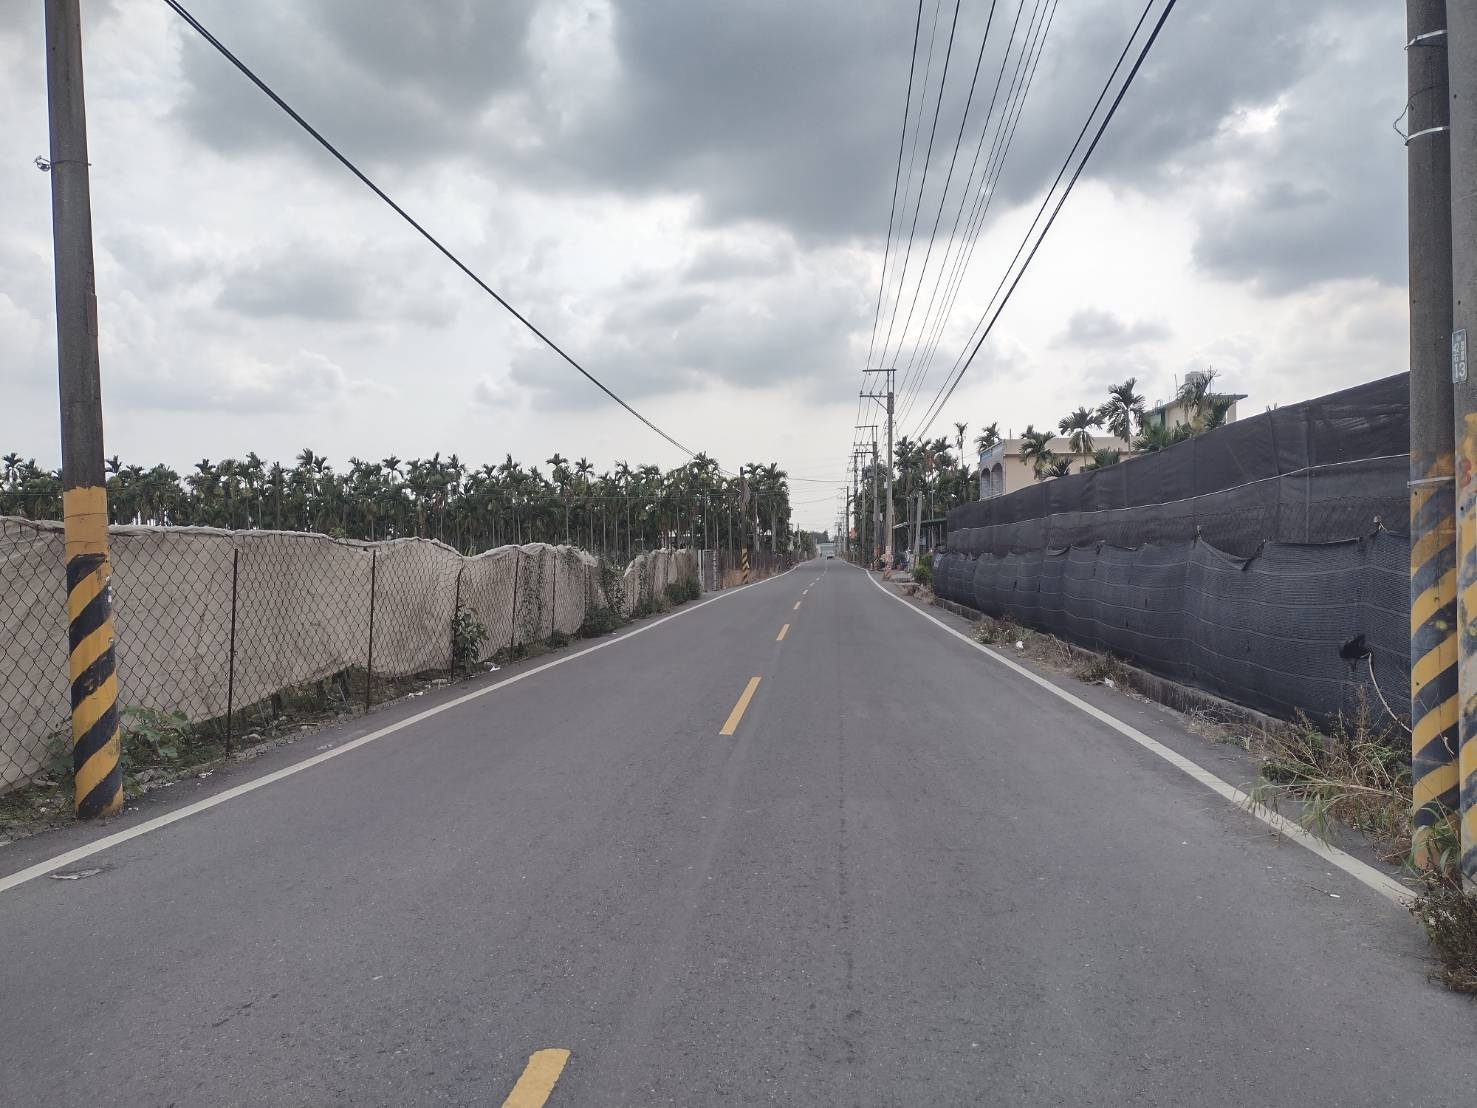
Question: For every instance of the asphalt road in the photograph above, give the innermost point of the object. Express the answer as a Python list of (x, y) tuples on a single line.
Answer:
[(908, 877)]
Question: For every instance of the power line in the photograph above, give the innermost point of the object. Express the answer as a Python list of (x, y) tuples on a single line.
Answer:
[(917, 372), (896, 177), (923, 182), (912, 153), (937, 406), (948, 179), (1033, 45), (403, 214)]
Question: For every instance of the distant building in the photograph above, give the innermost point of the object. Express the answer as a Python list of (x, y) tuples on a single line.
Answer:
[(1171, 413), (1002, 472)]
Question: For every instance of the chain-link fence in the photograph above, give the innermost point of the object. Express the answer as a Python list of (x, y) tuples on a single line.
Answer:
[(233, 629)]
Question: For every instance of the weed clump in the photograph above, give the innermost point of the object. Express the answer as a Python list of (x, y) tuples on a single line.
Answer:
[(1445, 910), (997, 632), (1352, 774), (1449, 916), (1105, 669)]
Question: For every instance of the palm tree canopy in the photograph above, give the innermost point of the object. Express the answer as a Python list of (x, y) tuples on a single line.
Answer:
[(1124, 410), (1078, 429)]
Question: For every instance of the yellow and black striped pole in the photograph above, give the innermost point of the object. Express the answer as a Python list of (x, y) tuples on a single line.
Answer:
[(744, 565), (1461, 61), (96, 750), (1433, 642)]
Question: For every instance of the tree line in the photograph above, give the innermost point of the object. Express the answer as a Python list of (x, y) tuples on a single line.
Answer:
[(618, 512), (1124, 417)]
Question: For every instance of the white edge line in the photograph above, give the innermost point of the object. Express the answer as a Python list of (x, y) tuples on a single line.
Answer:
[(107, 842), (1362, 872)]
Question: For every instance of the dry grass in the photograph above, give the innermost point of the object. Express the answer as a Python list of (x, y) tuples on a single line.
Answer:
[(1356, 774), (1086, 665)]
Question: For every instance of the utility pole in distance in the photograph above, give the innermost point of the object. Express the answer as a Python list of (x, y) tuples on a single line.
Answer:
[(97, 773), (873, 547), (845, 538), (1461, 59), (879, 397), (1433, 557), (877, 540)]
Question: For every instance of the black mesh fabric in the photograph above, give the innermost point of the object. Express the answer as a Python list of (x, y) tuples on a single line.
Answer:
[(1265, 631), (1321, 471)]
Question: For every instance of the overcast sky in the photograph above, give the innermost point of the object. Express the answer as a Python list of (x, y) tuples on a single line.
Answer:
[(693, 198)]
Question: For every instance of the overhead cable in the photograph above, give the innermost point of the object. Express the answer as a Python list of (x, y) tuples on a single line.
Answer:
[(937, 407), (403, 214)]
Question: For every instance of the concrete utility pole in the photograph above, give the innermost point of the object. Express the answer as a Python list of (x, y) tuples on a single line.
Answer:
[(97, 774), (845, 538), (879, 397), (876, 507), (1461, 57), (1433, 589), (918, 525), (877, 539)]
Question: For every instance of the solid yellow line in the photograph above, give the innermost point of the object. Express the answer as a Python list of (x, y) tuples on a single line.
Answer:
[(785, 630), (797, 605), (537, 1082), (731, 725)]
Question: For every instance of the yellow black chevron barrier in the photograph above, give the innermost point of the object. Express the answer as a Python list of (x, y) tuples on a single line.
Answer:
[(96, 749), (1463, 772), (1433, 639)]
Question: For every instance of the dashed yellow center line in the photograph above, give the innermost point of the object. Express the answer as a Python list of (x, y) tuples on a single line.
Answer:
[(785, 630), (731, 724), (537, 1082), (797, 606)]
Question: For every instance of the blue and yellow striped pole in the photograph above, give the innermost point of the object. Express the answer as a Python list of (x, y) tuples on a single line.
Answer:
[(96, 750)]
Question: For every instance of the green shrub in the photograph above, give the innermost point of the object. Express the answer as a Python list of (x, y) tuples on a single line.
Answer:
[(600, 621), (467, 636), (151, 737), (680, 592)]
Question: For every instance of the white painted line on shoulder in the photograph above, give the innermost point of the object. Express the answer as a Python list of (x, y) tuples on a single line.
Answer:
[(97, 846), (1362, 872)]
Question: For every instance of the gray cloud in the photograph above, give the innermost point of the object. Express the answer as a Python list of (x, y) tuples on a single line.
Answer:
[(303, 284), (724, 263), (1096, 328), (788, 114), (673, 341)]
